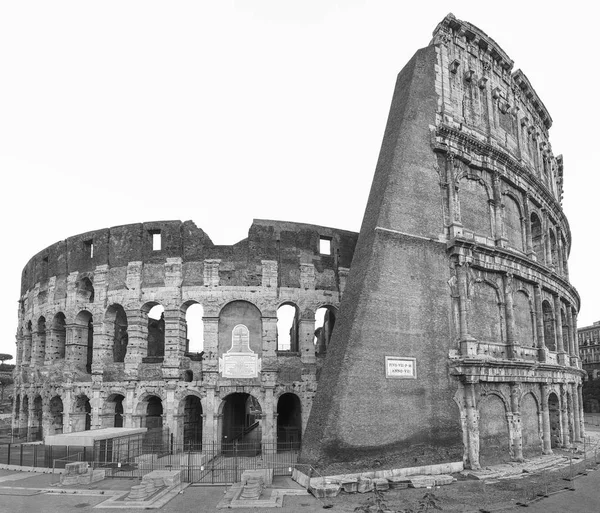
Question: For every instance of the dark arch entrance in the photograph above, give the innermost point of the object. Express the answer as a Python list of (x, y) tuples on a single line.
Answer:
[(154, 411), (241, 412), (56, 412), (554, 412), (289, 422), (192, 423), (118, 410)]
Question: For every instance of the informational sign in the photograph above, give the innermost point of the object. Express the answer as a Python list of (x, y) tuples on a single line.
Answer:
[(400, 367)]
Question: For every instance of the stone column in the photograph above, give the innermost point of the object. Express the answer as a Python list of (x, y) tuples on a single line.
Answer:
[(528, 240), (137, 342), (560, 346), (575, 413), (581, 417), (575, 338), (546, 433), (211, 343), (30, 415), (170, 408), (512, 344), (128, 411), (269, 338), (501, 240), (572, 337), (96, 406), (564, 418), (515, 423), (268, 435), (472, 420), (306, 335), (539, 321), (67, 400), (26, 349), (209, 431), (468, 345), (456, 227), (47, 426), (174, 342)]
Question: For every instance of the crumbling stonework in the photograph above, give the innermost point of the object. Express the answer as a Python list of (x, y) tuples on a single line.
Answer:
[(456, 337), (88, 355)]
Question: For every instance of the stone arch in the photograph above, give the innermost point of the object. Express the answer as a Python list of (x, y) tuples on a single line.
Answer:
[(325, 319), (513, 222), (494, 440), (524, 315), (56, 415), (235, 313), (115, 328), (537, 237), (485, 315), (552, 241), (289, 421), (83, 349), (37, 421), (549, 325), (41, 339), (57, 345), (193, 315), (81, 416), (288, 318), (85, 290), (239, 418), (192, 411), (151, 410), (475, 205), (555, 421), (154, 312), (113, 409), (530, 425)]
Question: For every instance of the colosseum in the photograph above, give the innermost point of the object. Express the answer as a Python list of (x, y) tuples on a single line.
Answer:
[(455, 322)]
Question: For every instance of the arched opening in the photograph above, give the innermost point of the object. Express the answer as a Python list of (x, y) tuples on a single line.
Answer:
[(83, 349), (26, 351), (494, 441), (554, 411), (192, 423), (154, 411), (241, 412), (194, 333), (324, 323), (85, 290), (41, 339), (530, 422), (59, 337), (113, 411), (82, 414), (289, 422), (56, 415), (36, 428), (549, 331), (288, 316), (536, 238), (156, 332), (115, 325), (512, 223)]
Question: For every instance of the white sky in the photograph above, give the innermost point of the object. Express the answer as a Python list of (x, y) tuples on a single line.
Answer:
[(117, 112)]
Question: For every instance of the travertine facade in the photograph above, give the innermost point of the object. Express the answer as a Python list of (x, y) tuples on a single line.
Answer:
[(88, 355), (456, 336), (459, 278)]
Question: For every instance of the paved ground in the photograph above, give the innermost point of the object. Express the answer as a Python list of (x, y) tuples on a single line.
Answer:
[(24, 492)]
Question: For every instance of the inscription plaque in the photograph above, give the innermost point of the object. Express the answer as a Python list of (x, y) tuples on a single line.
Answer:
[(400, 367), (240, 361)]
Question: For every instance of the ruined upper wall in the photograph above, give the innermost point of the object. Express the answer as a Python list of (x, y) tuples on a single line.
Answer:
[(290, 244), (483, 99)]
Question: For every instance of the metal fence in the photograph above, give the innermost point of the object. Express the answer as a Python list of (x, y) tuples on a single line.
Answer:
[(211, 463)]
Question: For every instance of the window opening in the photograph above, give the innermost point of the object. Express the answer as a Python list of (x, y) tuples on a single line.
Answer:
[(325, 246), (156, 240), (89, 248)]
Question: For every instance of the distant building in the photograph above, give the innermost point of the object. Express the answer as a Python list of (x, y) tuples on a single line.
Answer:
[(589, 352)]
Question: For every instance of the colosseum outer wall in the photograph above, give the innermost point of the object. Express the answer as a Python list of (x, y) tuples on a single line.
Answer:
[(89, 356)]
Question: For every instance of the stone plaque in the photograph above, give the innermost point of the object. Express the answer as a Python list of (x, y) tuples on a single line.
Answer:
[(400, 367), (240, 361)]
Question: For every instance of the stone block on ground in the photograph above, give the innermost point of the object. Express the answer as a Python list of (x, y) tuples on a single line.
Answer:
[(422, 481), (266, 474), (75, 468), (365, 484), (443, 479), (399, 482), (380, 483), (322, 489), (350, 485)]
